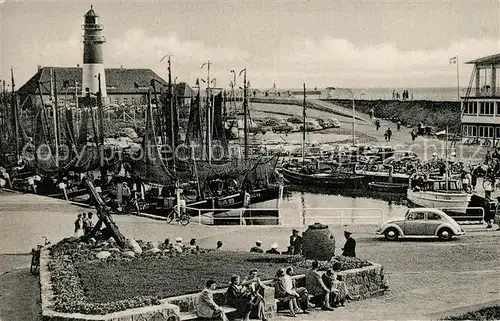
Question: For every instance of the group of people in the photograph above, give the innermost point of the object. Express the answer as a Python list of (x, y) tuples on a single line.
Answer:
[(179, 247), (294, 247), (405, 95), (321, 289), (388, 135), (84, 224)]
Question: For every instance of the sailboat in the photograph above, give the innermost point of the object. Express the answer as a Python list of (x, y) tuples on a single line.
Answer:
[(306, 176), (210, 185)]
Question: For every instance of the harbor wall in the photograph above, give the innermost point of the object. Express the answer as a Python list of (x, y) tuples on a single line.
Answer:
[(438, 114)]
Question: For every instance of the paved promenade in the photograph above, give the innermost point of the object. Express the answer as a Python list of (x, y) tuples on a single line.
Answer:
[(426, 277)]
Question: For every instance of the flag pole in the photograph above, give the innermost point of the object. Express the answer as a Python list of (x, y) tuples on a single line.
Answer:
[(458, 81)]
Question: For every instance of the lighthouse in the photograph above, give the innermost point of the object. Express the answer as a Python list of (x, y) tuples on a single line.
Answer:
[(93, 42)]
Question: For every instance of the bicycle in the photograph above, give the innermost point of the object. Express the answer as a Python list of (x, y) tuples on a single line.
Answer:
[(35, 256), (182, 218)]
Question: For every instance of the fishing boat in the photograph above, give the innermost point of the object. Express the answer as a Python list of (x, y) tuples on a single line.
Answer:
[(388, 187), (326, 180), (445, 194)]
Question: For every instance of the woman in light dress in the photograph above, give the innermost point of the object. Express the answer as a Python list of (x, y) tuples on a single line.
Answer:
[(79, 231)]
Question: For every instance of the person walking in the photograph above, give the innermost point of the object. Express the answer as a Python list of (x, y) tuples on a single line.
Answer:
[(389, 134), (377, 124), (385, 136), (349, 248), (398, 126)]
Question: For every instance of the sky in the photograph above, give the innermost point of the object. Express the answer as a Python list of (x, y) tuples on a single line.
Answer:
[(356, 44)]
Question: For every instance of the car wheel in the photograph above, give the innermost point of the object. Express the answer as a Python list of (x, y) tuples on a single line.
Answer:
[(391, 234), (445, 234)]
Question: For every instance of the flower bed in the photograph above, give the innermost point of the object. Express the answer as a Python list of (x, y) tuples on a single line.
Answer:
[(82, 283)]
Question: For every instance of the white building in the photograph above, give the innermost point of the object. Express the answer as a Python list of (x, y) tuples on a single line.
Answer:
[(481, 105)]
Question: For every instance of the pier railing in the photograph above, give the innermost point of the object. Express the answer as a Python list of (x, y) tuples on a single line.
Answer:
[(244, 216), (342, 215)]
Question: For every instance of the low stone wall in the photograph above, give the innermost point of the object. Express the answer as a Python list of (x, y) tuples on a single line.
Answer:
[(363, 282), (162, 312)]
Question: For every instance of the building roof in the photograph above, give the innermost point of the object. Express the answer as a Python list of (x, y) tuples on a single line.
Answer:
[(91, 13), (492, 59), (118, 81)]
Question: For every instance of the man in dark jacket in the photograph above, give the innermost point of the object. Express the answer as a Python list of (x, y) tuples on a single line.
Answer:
[(349, 248)]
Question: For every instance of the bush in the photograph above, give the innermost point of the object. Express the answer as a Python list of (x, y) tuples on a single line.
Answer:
[(490, 313)]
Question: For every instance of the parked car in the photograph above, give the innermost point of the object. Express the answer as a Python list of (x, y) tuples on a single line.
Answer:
[(328, 123), (422, 222), (311, 126), (283, 128), (258, 130), (295, 120)]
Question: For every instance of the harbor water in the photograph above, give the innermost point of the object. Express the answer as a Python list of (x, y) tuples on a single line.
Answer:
[(305, 208)]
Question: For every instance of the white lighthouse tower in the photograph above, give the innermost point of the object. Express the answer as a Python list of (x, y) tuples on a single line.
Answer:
[(93, 66)]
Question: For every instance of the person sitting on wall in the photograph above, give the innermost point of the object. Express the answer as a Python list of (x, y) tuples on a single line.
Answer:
[(290, 284), (338, 288), (206, 307), (316, 287), (284, 294), (241, 298)]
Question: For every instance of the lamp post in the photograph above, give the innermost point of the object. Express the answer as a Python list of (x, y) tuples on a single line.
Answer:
[(353, 114)]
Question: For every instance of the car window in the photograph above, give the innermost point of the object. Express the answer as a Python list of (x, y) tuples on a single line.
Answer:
[(416, 216), (433, 216)]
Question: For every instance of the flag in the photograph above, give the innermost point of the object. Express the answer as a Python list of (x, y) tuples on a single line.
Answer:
[(453, 60)]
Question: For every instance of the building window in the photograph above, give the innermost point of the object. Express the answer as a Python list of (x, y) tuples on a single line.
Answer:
[(469, 130), (498, 107), (486, 108), (486, 131), (471, 108), (498, 132)]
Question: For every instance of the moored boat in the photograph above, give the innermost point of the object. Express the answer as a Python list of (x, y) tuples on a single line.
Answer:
[(388, 187), (441, 194), (325, 180)]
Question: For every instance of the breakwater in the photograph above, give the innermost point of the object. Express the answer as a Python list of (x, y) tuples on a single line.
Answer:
[(431, 113)]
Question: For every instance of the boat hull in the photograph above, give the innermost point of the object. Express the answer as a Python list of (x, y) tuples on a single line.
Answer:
[(451, 202), (386, 187), (331, 181)]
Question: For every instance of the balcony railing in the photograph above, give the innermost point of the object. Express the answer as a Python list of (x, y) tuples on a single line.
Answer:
[(483, 93)]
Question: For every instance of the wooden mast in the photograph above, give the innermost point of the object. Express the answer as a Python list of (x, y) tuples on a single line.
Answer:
[(172, 113), (15, 112), (209, 116), (304, 127), (245, 111), (54, 117)]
